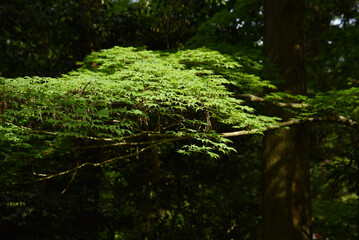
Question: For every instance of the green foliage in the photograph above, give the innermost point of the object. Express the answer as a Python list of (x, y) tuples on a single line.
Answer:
[(121, 92), (340, 102)]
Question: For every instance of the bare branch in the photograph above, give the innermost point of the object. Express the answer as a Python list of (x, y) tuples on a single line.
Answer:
[(338, 119), (254, 98), (239, 133)]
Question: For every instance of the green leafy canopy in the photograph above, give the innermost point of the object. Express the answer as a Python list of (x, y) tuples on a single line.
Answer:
[(121, 92)]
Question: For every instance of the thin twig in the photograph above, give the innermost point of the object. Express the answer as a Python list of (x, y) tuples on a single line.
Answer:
[(72, 178)]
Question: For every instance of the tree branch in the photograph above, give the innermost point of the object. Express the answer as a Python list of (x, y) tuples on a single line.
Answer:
[(153, 142), (81, 166), (72, 178), (99, 163), (254, 98), (338, 119)]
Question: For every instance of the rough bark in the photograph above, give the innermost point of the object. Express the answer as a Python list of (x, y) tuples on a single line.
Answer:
[(286, 198)]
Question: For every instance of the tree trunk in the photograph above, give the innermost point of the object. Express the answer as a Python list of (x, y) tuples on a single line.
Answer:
[(286, 193)]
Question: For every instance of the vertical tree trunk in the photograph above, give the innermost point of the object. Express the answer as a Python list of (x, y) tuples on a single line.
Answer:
[(286, 198), (151, 186)]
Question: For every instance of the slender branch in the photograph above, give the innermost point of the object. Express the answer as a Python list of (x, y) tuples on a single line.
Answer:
[(151, 134), (338, 119), (105, 146), (239, 133), (37, 174), (254, 98), (342, 120), (30, 129), (72, 178), (81, 166), (174, 138)]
